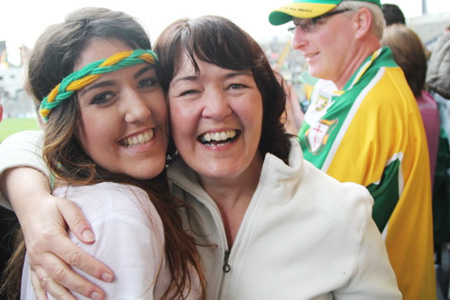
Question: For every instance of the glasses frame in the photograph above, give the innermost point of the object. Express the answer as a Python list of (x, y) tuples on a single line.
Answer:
[(311, 24)]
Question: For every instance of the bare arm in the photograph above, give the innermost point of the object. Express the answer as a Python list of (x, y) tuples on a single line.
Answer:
[(294, 114), (43, 219)]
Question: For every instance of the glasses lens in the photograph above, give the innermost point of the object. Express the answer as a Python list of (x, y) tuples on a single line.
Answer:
[(307, 25)]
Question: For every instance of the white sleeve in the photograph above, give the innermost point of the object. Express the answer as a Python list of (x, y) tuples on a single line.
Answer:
[(22, 149), (129, 239), (373, 277)]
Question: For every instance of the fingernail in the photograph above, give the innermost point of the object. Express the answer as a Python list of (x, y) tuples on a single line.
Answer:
[(88, 235), (107, 277), (96, 296)]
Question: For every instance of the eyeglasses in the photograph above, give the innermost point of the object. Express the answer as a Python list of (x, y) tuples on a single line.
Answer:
[(309, 25)]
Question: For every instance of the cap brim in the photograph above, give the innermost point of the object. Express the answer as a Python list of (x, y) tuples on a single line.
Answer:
[(302, 10)]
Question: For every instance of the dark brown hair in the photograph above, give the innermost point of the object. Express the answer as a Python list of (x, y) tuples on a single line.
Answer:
[(219, 41), (53, 58), (409, 53)]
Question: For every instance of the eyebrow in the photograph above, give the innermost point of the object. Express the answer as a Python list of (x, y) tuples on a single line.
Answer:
[(186, 78), (232, 74), (112, 82), (239, 73)]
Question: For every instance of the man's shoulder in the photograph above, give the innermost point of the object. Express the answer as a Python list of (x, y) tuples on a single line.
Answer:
[(386, 85)]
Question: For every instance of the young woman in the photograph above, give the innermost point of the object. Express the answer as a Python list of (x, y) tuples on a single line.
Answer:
[(105, 144), (281, 228)]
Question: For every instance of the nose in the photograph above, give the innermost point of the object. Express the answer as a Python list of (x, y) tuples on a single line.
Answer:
[(216, 105), (299, 38), (136, 107)]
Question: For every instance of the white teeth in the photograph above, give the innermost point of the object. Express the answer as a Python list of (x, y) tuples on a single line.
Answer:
[(139, 139), (207, 137), (218, 136)]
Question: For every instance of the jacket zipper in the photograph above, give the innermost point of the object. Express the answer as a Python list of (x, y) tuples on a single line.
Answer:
[(226, 267)]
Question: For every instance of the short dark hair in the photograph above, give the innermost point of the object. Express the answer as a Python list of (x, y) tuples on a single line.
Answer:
[(392, 14), (219, 41)]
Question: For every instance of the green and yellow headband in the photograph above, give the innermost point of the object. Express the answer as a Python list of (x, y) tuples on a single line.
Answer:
[(81, 78)]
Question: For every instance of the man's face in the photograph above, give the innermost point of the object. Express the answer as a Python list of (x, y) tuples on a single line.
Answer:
[(326, 48)]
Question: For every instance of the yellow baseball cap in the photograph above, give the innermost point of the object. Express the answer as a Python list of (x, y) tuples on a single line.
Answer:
[(306, 9)]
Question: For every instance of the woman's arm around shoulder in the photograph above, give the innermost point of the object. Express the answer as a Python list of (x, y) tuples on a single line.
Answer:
[(43, 219), (23, 149)]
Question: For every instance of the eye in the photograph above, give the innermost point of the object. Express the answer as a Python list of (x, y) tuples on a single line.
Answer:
[(308, 25), (148, 82), (237, 86), (188, 92), (102, 98)]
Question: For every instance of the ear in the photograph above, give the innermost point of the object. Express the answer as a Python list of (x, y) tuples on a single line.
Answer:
[(363, 22)]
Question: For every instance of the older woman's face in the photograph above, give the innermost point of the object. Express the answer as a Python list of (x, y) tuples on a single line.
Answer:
[(216, 116), (123, 124)]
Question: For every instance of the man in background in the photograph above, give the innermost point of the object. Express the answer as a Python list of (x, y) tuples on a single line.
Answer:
[(363, 125)]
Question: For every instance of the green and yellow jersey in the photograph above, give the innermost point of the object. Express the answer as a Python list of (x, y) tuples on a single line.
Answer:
[(371, 133)]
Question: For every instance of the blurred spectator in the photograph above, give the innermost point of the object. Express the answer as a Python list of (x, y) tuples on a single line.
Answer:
[(438, 77), (409, 53), (392, 14), (438, 80)]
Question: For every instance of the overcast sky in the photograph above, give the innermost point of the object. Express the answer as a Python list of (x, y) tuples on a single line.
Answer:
[(21, 22)]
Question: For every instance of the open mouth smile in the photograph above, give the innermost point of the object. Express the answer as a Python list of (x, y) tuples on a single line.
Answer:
[(138, 139), (218, 138)]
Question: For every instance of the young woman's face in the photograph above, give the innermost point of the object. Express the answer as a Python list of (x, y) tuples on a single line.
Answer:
[(123, 124), (216, 116)]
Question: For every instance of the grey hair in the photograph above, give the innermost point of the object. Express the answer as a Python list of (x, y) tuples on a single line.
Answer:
[(378, 22)]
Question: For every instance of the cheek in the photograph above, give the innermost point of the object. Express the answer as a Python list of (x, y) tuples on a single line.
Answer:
[(184, 118), (93, 132), (180, 117)]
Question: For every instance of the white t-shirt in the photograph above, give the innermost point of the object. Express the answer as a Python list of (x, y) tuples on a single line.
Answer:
[(129, 240)]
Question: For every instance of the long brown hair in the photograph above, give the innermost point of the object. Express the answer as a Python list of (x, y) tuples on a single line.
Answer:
[(53, 58)]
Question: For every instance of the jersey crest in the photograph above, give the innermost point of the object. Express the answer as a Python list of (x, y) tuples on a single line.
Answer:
[(316, 137), (321, 102)]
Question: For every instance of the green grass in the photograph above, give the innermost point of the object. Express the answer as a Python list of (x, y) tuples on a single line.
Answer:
[(10, 126)]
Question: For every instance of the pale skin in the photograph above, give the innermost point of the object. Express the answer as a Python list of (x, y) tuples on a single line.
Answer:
[(323, 50), (293, 116)]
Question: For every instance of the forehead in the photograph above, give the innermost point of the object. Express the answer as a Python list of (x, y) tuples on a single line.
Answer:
[(98, 49)]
